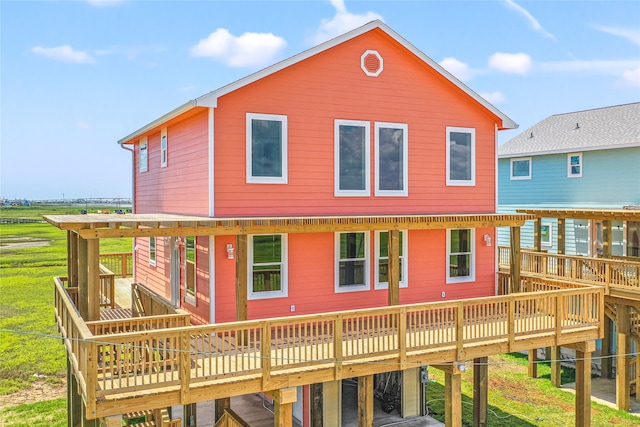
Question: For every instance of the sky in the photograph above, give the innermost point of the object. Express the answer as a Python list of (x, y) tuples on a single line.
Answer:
[(77, 76)]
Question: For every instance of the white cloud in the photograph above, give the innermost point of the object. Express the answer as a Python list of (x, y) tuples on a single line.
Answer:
[(511, 63), (342, 22), (631, 77), (64, 53), (633, 35), (458, 68), (104, 3), (609, 67), (494, 97), (83, 125), (247, 50), (529, 17)]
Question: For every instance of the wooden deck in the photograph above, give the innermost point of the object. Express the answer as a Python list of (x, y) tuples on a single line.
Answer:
[(159, 361)]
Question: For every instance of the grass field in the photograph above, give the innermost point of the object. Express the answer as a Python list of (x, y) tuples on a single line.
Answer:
[(30, 348)]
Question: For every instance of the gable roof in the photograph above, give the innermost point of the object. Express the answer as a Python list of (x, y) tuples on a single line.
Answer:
[(211, 99), (599, 129)]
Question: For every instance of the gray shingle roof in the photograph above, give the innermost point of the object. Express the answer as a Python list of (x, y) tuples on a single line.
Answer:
[(602, 128)]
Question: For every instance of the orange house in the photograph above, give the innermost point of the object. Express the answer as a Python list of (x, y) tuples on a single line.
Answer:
[(364, 124)]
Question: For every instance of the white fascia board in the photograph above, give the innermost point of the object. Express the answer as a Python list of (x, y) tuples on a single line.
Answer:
[(568, 150), (159, 121)]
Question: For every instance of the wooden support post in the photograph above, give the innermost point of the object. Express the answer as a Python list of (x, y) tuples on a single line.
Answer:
[(74, 400), (607, 239), (537, 234), (515, 259), (332, 403), (453, 398), (93, 273), (605, 363), (315, 410), (72, 259), (556, 367), (583, 385), (283, 406), (365, 401), (623, 386), (561, 235), (480, 391), (113, 421), (393, 272), (533, 363), (83, 279), (241, 277), (220, 406)]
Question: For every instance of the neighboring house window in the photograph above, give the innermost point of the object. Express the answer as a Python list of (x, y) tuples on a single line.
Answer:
[(152, 250), (521, 168), (351, 158), (574, 165), (352, 262), (267, 266), (546, 234), (461, 147), (382, 260), (460, 255), (391, 159), (190, 268), (143, 155), (266, 149), (163, 148)]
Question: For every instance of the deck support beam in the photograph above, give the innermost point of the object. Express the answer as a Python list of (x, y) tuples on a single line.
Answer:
[(393, 273), (241, 277), (452, 394), (623, 386), (480, 391), (583, 382), (533, 363), (515, 259), (556, 366), (365, 401)]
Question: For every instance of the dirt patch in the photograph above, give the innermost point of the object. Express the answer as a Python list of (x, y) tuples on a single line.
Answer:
[(38, 392), (23, 242)]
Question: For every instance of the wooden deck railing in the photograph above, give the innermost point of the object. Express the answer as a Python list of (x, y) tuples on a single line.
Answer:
[(119, 263), (107, 289), (617, 275), (151, 356)]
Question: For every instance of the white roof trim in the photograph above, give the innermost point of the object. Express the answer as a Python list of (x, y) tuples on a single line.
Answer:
[(211, 99), (568, 150)]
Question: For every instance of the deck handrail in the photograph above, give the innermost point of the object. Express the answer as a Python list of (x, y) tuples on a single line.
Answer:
[(121, 263), (191, 357)]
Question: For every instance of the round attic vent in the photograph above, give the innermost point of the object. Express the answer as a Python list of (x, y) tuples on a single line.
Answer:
[(371, 63)]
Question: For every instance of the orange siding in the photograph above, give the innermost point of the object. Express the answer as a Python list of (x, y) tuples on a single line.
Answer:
[(155, 277), (182, 186), (329, 86), (199, 311)]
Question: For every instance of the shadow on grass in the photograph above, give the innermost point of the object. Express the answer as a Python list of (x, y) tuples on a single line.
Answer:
[(495, 417)]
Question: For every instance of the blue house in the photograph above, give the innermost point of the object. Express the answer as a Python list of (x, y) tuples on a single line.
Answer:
[(581, 160)]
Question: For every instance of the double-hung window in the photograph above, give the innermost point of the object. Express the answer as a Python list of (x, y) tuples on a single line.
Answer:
[(460, 255), (266, 149), (267, 276), (574, 165), (391, 159), (190, 269), (521, 168), (461, 153), (546, 234), (164, 148), (152, 251), (352, 253), (143, 155), (352, 164), (382, 260)]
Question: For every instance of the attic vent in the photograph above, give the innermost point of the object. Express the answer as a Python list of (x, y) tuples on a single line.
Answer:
[(371, 63)]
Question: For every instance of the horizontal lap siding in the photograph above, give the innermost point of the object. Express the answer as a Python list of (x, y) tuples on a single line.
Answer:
[(199, 311), (182, 186), (156, 278), (329, 86)]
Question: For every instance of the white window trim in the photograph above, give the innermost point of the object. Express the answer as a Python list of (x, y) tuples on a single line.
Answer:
[(336, 156), (456, 182), (152, 261), (405, 159), (191, 299), (249, 164), (284, 291), (405, 257), (550, 242), (164, 151), (519, 178), (144, 146), (367, 260), (572, 175), (472, 276)]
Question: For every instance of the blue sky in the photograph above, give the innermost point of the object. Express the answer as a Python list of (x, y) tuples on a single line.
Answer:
[(77, 76)]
